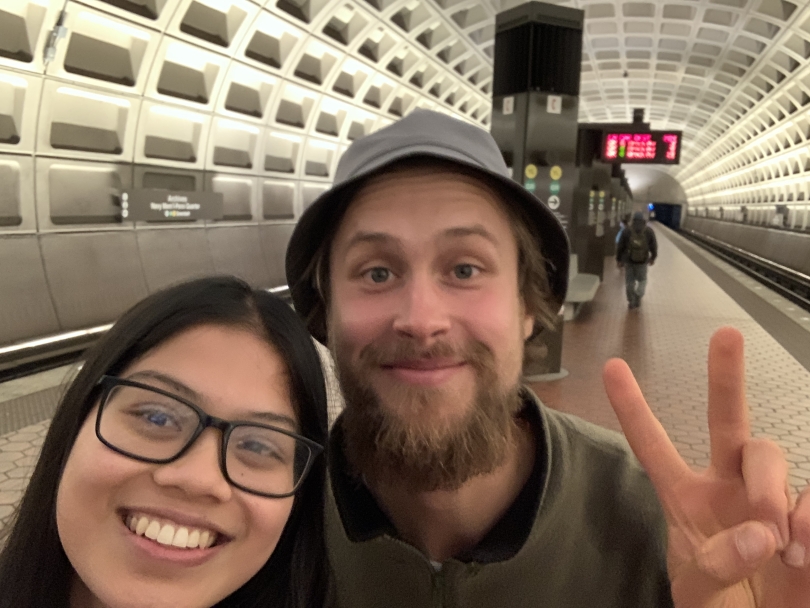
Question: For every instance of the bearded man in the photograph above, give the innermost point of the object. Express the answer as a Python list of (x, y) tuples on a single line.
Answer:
[(424, 269)]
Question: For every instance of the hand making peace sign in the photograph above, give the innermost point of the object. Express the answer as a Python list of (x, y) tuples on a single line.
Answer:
[(736, 539)]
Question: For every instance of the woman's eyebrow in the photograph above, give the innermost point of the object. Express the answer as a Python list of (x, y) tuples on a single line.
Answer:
[(189, 393), (270, 417), (182, 389)]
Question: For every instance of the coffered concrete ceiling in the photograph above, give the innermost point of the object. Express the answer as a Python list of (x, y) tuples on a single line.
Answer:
[(296, 80)]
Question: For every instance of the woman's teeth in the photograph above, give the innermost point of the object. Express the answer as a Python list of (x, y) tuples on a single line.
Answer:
[(173, 535)]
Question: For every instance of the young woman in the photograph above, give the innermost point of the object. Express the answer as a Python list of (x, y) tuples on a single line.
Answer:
[(183, 467)]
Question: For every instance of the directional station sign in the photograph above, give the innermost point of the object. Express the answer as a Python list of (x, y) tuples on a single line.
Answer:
[(155, 205)]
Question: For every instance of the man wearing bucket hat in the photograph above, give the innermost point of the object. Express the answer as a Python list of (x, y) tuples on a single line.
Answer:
[(424, 269)]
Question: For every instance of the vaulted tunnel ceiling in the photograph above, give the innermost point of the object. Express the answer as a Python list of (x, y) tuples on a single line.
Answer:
[(280, 87)]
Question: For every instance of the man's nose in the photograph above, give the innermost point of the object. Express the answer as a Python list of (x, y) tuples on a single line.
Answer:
[(423, 310)]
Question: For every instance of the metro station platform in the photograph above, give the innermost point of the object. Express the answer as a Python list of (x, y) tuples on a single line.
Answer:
[(690, 293), (666, 343)]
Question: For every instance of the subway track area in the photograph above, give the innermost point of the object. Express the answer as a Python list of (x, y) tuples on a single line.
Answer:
[(690, 294), (793, 285)]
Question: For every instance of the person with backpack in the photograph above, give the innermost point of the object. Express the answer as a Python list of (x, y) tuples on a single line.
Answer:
[(636, 250)]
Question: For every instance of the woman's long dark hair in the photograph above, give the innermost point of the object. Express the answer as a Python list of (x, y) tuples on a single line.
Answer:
[(34, 570)]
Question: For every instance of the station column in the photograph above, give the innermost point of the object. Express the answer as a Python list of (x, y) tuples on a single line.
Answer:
[(535, 106), (535, 99)]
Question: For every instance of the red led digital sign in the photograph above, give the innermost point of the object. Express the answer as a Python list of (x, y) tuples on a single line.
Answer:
[(662, 147)]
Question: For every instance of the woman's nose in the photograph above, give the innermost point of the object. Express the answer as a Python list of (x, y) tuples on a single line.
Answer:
[(198, 471)]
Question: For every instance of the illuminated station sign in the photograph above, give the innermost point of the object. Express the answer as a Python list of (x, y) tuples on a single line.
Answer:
[(661, 147)]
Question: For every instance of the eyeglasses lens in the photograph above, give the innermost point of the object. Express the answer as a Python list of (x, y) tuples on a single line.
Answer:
[(147, 424), (152, 426), (265, 460)]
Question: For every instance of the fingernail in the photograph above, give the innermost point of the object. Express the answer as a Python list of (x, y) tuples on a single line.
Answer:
[(751, 543), (780, 544), (794, 555)]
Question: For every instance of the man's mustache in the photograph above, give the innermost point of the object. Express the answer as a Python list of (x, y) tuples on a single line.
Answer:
[(392, 353)]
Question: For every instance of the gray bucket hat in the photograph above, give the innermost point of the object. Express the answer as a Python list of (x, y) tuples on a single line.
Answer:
[(420, 134)]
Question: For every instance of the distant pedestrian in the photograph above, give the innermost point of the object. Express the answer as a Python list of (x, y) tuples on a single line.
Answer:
[(636, 250)]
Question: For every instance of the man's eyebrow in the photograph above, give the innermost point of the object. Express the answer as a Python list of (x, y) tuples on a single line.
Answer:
[(473, 230), (381, 238), (183, 390)]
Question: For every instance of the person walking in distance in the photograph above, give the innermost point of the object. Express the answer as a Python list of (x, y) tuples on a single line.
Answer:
[(636, 250)]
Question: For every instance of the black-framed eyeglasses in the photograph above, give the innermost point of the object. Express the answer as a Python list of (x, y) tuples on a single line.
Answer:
[(151, 425)]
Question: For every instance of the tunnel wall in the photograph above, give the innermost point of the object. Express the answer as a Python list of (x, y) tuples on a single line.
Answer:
[(255, 100), (66, 281), (791, 249)]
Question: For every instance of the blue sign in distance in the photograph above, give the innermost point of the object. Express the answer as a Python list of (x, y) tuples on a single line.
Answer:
[(530, 185), (554, 187)]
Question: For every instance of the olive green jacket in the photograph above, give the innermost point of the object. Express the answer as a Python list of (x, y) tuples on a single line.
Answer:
[(598, 540)]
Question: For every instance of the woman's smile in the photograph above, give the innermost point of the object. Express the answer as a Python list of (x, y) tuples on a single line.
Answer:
[(170, 533)]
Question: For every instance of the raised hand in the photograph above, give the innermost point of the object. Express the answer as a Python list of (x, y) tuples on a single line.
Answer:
[(736, 539)]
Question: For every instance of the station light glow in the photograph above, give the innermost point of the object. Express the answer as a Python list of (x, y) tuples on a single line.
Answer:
[(237, 126), (109, 23), (287, 137), (14, 81), (173, 113), (123, 103)]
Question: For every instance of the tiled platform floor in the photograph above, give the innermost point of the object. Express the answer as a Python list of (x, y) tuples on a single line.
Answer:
[(19, 449), (665, 342), (18, 454)]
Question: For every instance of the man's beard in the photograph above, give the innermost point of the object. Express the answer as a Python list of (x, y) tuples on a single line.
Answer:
[(402, 438)]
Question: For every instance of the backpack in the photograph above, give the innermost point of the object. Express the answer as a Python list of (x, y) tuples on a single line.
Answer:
[(639, 247)]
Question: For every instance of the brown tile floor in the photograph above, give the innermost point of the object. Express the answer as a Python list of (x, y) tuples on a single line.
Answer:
[(18, 454), (665, 342)]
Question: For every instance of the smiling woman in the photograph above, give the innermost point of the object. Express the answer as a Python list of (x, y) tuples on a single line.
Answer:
[(183, 466)]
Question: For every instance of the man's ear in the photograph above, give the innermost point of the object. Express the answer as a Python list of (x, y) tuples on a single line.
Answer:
[(528, 326)]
